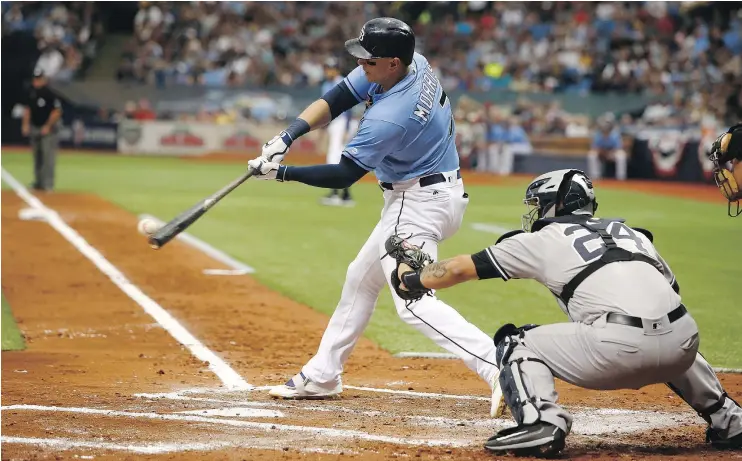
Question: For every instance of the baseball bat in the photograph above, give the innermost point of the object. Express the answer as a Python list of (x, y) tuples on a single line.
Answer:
[(188, 217)]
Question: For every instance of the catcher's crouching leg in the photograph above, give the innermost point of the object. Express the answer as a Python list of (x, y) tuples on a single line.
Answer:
[(521, 374), (701, 389)]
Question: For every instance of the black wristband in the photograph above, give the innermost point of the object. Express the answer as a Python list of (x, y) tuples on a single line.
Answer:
[(412, 281), (298, 127), (281, 174)]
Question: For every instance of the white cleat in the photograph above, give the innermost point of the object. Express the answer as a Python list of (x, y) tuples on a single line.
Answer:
[(332, 201), (497, 410), (302, 388)]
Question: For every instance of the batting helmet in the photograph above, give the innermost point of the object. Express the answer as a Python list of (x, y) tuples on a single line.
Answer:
[(384, 38), (559, 193)]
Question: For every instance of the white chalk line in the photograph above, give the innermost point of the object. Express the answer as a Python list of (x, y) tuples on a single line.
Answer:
[(324, 431), (149, 449), (393, 391), (229, 377), (587, 421), (153, 448), (491, 228), (238, 266)]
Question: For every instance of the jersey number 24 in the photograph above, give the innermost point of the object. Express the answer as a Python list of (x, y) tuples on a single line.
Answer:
[(618, 230)]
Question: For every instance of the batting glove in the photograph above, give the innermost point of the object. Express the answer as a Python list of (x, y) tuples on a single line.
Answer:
[(275, 149), (266, 170)]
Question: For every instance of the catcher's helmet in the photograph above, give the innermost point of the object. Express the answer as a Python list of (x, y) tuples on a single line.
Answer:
[(384, 38), (559, 193)]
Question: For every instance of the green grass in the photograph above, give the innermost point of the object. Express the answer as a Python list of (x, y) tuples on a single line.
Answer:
[(302, 249), (11, 335)]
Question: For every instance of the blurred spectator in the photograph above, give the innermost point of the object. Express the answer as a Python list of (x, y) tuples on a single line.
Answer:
[(471, 137), (143, 111), (67, 34), (607, 147), (507, 139)]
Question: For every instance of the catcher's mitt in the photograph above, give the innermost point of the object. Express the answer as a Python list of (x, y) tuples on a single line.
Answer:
[(406, 253), (727, 149)]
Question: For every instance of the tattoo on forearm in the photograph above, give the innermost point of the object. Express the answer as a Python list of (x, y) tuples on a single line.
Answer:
[(437, 270)]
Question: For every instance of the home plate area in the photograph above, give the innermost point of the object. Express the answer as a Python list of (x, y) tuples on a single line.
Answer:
[(362, 421)]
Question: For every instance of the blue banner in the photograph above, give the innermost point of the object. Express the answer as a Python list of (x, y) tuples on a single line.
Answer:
[(89, 135)]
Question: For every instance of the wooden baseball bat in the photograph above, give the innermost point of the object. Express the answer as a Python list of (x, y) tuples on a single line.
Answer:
[(188, 217)]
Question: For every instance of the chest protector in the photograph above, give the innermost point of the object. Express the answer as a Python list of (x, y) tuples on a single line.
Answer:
[(613, 253)]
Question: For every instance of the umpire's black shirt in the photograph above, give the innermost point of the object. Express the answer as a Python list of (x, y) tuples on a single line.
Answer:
[(41, 103)]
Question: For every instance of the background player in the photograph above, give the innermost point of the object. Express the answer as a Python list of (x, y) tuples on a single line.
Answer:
[(337, 133), (628, 327), (607, 146), (406, 137)]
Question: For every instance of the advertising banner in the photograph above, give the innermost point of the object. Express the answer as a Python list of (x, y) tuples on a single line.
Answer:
[(199, 138)]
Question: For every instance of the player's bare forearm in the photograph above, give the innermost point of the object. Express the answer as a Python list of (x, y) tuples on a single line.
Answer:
[(316, 114), (449, 272)]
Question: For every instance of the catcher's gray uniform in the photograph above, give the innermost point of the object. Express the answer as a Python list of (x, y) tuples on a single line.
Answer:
[(628, 327)]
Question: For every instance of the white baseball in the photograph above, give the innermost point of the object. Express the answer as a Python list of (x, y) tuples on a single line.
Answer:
[(148, 226)]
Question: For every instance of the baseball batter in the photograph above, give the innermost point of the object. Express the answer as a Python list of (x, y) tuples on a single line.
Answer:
[(627, 328), (406, 137), (337, 132)]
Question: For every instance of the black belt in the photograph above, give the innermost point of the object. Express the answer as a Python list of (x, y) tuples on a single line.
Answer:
[(424, 181), (637, 322)]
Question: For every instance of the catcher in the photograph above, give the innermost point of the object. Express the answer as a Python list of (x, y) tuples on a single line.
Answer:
[(726, 151), (627, 328)]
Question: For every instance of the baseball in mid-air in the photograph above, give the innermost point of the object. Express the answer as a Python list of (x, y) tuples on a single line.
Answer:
[(148, 226)]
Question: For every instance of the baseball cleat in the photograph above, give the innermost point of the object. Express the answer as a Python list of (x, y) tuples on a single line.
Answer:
[(497, 408), (302, 388), (731, 443), (542, 440), (332, 200)]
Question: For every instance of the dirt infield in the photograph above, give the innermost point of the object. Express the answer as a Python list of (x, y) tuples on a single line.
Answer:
[(101, 377)]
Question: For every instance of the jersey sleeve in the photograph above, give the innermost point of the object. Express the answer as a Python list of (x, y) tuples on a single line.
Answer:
[(519, 257), (374, 140), (358, 84)]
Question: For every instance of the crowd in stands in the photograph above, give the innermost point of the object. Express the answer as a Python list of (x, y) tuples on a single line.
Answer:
[(67, 34), (649, 48), (688, 65)]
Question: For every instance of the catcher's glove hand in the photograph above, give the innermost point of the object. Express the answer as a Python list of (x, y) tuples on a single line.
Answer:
[(726, 150), (414, 257)]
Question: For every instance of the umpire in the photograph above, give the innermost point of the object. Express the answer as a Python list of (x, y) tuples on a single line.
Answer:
[(40, 118)]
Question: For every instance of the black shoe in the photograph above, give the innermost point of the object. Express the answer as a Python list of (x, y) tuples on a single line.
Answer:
[(542, 440), (732, 443)]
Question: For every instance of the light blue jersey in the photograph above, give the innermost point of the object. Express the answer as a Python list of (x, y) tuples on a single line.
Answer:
[(608, 141), (406, 132)]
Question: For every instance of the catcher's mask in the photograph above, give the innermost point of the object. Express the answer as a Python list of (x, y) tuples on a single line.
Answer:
[(723, 151), (558, 193)]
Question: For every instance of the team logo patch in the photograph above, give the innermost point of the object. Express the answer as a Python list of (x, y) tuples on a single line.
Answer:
[(360, 37), (130, 132)]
